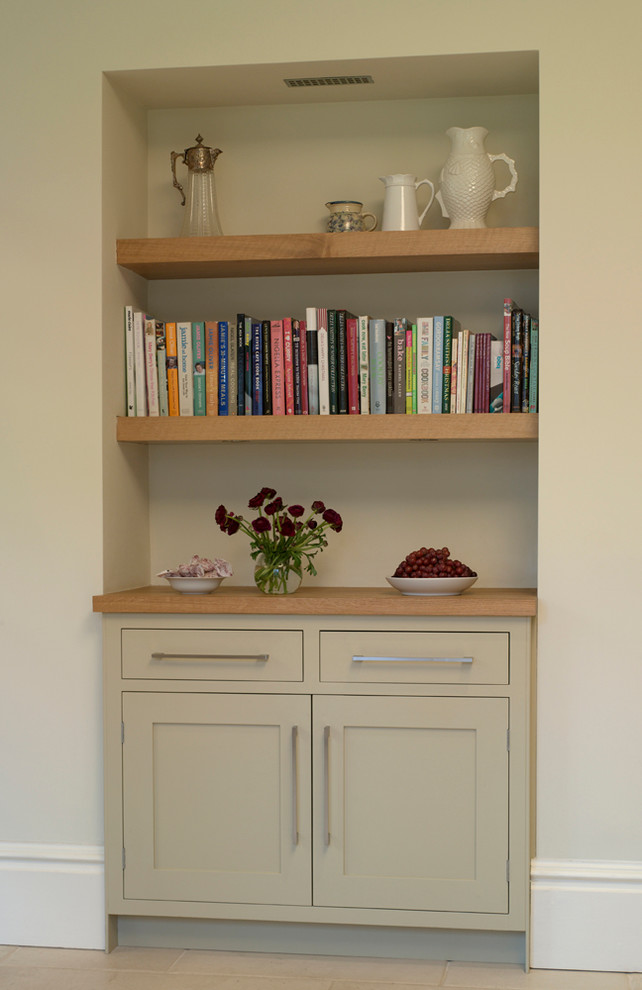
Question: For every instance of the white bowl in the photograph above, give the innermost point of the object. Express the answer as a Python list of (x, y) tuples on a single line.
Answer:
[(431, 586), (194, 585)]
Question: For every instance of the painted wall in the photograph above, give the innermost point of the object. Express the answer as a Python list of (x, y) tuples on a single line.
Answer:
[(589, 803)]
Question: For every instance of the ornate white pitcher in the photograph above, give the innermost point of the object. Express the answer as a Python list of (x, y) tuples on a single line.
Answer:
[(468, 178), (400, 202)]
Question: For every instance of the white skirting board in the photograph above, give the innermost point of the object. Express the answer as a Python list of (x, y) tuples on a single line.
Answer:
[(586, 914), (52, 895)]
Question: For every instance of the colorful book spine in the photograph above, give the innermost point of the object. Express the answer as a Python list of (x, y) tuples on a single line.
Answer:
[(161, 368), (415, 400), (323, 356), (454, 374), (342, 361), (526, 361), (296, 367), (267, 368), (305, 401), (424, 364), (533, 376), (333, 362), (288, 366), (470, 382), (517, 361), (151, 368), (247, 365), (447, 366), (509, 306), (312, 352), (438, 363), (139, 363), (173, 406), (352, 340), (408, 370), (364, 366), (240, 364), (257, 369), (462, 375), (211, 368), (232, 374), (478, 402), (278, 371), (185, 372), (198, 357), (130, 363), (377, 342), (390, 367), (496, 403), (399, 366), (223, 368)]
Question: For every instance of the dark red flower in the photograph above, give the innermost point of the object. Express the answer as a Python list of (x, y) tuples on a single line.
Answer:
[(268, 492), (233, 526), (312, 524), (333, 519), (287, 527), (261, 525), (296, 510), (257, 501), (274, 506), (220, 516), (318, 507)]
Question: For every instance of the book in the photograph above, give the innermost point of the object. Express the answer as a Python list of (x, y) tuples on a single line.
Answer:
[(526, 360), (399, 366), (312, 353), (437, 363), (352, 340), (151, 368), (342, 316), (239, 347), (470, 380), (496, 399), (257, 368), (185, 369), (424, 364), (247, 365), (446, 368), (462, 372), (223, 367), (517, 360), (161, 368), (454, 374), (130, 365), (211, 368), (232, 373), (390, 366), (509, 306), (304, 368), (323, 362), (288, 366), (267, 367), (171, 349), (198, 358), (414, 369), (377, 346), (533, 376), (478, 387), (364, 366), (409, 371), (296, 367), (139, 363), (333, 380), (278, 372)]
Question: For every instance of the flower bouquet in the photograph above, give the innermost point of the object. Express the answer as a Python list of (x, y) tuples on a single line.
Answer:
[(281, 538)]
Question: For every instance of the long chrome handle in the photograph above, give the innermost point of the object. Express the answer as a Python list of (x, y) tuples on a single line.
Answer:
[(295, 786), (362, 659), (235, 657), (326, 784)]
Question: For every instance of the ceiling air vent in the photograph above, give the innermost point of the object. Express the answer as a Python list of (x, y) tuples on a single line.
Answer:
[(327, 81)]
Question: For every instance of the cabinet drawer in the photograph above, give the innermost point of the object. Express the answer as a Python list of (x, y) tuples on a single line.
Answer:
[(414, 657), (213, 654)]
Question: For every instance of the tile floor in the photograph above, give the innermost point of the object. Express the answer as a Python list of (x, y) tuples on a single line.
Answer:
[(175, 969)]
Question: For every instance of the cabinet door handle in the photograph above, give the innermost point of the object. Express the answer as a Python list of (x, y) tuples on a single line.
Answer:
[(295, 786), (235, 657), (362, 659), (326, 784)]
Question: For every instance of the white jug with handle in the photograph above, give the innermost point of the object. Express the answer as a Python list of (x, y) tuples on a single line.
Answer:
[(468, 179), (400, 202)]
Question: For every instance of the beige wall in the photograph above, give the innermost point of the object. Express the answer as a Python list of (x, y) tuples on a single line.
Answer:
[(590, 734)]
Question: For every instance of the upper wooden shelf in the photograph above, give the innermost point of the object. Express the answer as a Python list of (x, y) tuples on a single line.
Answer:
[(231, 600), (488, 249), (353, 429)]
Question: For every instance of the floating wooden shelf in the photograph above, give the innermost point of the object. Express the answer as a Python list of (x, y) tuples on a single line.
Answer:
[(488, 249), (230, 600), (312, 429)]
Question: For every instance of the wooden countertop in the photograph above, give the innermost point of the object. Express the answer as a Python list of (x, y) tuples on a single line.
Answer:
[(230, 600)]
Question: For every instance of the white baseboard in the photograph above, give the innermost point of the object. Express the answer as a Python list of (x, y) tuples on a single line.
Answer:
[(52, 895), (586, 914)]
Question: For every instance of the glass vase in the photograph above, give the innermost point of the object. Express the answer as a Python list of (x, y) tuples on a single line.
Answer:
[(276, 577)]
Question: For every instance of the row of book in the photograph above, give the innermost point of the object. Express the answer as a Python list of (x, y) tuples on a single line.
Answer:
[(330, 363)]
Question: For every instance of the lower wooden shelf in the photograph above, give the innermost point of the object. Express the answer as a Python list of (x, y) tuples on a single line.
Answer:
[(156, 599), (312, 429)]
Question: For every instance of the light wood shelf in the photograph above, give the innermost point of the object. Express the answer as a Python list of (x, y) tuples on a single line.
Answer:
[(487, 249), (324, 429), (229, 600)]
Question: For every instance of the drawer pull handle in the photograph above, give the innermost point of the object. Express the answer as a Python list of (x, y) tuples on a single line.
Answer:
[(361, 659), (326, 784), (295, 786), (236, 657)]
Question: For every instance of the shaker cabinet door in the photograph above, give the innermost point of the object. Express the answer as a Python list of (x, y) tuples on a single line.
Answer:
[(216, 797), (411, 803)]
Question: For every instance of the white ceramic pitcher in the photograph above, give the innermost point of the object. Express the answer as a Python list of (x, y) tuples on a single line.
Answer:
[(400, 202), (468, 179)]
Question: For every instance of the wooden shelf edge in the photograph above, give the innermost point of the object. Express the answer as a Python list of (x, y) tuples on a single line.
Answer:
[(324, 429), (247, 255), (229, 600)]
